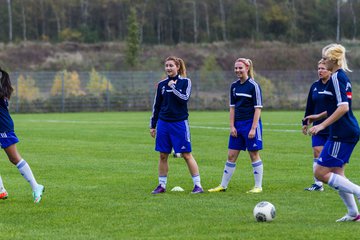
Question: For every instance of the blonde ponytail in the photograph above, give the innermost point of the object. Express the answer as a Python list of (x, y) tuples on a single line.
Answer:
[(336, 52)]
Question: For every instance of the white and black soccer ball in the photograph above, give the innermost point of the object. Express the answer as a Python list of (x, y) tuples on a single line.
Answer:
[(264, 212)]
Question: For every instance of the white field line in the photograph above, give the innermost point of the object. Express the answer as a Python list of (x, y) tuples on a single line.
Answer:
[(264, 129), (71, 121), (191, 126)]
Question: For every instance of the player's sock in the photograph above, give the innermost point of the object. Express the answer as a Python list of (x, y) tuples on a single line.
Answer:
[(228, 172), (26, 172), (163, 181), (317, 182), (341, 183), (258, 172), (1, 185), (196, 180), (350, 203)]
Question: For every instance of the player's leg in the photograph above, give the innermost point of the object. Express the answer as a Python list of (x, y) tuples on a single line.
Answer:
[(3, 192), (352, 209), (254, 145), (229, 167), (181, 140), (194, 171), (236, 144), (258, 171), (318, 142), (331, 162), (163, 169), (162, 145), (228, 172), (349, 201), (317, 150), (336, 181), (330, 170), (25, 171)]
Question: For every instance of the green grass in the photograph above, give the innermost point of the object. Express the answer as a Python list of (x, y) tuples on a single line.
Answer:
[(99, 170)]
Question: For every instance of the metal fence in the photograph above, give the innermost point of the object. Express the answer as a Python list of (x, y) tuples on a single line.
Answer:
[(134, 91)]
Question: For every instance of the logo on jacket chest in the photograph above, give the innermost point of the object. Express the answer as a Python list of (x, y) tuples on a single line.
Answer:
[(163, 90)]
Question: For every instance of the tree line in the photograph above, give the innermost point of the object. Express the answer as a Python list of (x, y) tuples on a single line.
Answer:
[(175, 21)]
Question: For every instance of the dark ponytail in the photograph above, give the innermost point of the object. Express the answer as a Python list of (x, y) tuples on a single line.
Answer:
[(5, 85)]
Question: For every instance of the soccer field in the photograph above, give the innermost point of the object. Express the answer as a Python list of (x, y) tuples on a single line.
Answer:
[(99, 170)]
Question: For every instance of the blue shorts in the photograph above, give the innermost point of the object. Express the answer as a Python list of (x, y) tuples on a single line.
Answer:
[(173, 135), (7, 139), (335, 154), (242, 141), (319, 140)]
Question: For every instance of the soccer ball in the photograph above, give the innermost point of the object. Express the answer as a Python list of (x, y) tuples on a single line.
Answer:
[(176, 155), (264, 212)]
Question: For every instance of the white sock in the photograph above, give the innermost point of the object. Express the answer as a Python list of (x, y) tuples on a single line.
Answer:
[(163, 181), (196, 180), (350, 203), (26, 172), (317, 182), (228, 172), (341, 183), (258, 172), (2, 188)]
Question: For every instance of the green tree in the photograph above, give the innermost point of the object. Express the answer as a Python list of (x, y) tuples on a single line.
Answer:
[(268, 91), (210, 73), (132, 40), (277, 20)]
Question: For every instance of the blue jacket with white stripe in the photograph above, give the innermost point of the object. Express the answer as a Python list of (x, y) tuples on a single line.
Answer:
[(170, 103)]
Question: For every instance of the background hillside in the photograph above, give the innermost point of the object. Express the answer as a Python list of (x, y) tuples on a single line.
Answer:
[(110, 56), (123, 35)]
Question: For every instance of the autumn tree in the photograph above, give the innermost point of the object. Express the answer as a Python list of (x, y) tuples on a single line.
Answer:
[(26, 88), (67, 83), (98, 84)]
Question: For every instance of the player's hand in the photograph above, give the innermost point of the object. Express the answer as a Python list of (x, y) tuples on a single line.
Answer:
[(305, 129), (251, 133), (153, 132), (233, 131), (171, 83), (311, 118), (316, 129)]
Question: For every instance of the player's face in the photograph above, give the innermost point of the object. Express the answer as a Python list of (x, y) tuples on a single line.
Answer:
[(323, 72), (241, 70), (171, 69)]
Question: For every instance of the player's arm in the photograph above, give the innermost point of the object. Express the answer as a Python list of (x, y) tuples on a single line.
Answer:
[(255, 122), (232, 101), (315, 117), (257, 97), (183, 97), (342, 105), (339, 112), (233, 131), (309, 110), (155, 112)]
